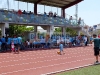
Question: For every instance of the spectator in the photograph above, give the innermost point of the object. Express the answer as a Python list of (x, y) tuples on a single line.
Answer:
[(3, 40), (45, 15), (79, 21), (55, 14), (19, 12), (24, 12), (70, 18), (30, 13)]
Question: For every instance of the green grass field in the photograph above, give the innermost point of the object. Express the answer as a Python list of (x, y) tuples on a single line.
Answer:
[(91, 70)]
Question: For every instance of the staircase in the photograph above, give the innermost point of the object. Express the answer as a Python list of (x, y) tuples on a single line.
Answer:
[(85, 31)]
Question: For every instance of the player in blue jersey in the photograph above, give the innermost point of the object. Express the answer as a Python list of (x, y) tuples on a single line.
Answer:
[(61, 48)]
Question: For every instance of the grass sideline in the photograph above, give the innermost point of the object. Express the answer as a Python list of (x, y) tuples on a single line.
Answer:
[(91, 70)]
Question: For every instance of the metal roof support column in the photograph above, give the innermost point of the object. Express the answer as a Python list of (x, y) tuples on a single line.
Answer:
[(63, 15), (63, 12), (35, 8)]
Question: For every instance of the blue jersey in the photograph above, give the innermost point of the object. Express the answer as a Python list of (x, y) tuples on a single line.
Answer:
[(15, 40), (91, 38), (61, 47), (19, 40), (3, 40), (9, 41), (0, 43)]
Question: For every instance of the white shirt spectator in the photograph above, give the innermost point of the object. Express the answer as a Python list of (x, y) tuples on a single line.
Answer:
[(67, 40), (28, 43), (85, 39)]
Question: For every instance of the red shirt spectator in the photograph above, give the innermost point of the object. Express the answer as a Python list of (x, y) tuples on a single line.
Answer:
[(19, 12), (99, 36)]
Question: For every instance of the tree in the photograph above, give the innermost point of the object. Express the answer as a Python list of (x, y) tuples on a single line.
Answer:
[(68, 30), (16, 30), (71, 31), (57, 30)]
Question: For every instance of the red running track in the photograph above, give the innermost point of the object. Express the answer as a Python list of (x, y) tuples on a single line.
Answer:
[(41, 62)]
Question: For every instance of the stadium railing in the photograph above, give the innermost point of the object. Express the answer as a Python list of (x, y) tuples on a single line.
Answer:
[(12, 17)]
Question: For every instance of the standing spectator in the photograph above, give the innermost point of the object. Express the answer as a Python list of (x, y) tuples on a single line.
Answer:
[(19, 43), (0, 45), (15, 39), (28, 43), (91, 39), (3, 40), (96, 47), (9, 42), (85, 40)]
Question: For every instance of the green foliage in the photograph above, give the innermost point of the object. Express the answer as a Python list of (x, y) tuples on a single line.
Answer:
[(19, 29), (71, 31), (57, 30), (68, 30)]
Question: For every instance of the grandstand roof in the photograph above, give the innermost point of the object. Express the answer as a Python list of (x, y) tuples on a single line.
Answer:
[(56, 3)]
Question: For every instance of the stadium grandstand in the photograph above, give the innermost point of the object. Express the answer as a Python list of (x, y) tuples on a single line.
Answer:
[(46, 21)]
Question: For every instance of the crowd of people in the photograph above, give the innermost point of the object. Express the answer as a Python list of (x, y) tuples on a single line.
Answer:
[(19, 43)]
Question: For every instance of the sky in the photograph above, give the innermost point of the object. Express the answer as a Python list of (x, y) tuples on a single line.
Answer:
[(88, 10)]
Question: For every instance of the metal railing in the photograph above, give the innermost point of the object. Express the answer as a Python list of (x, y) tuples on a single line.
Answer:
[(13, 17)]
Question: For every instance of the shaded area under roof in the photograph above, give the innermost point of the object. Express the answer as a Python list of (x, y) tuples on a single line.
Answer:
[(56, 3)]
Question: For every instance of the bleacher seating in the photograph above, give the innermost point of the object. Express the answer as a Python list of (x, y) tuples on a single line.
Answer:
[(9, 16)]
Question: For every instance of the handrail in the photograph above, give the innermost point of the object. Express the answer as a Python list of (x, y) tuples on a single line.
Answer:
[(14, 17)]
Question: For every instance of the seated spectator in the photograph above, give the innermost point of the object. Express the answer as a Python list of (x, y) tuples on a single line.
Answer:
[(32, 16), (24, 12), (30, 13), (43, 42), (50, 14), (70, 18), (79, 21), (19, 12), (55, 14), (45, 15)]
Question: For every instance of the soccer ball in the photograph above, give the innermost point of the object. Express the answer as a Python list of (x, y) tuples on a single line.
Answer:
[(58, 52)]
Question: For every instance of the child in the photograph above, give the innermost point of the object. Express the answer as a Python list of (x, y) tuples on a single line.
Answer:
[(61, 48), (12, 46), (82, 43)]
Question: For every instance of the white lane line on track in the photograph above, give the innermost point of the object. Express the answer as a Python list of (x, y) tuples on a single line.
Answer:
[(44, 54), (67, 69), (38, 61), (42, 57), (27, 54), (49, 51), (40, 67)]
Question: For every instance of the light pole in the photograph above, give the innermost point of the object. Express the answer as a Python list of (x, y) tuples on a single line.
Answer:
[(8, 4), (76, 13)]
